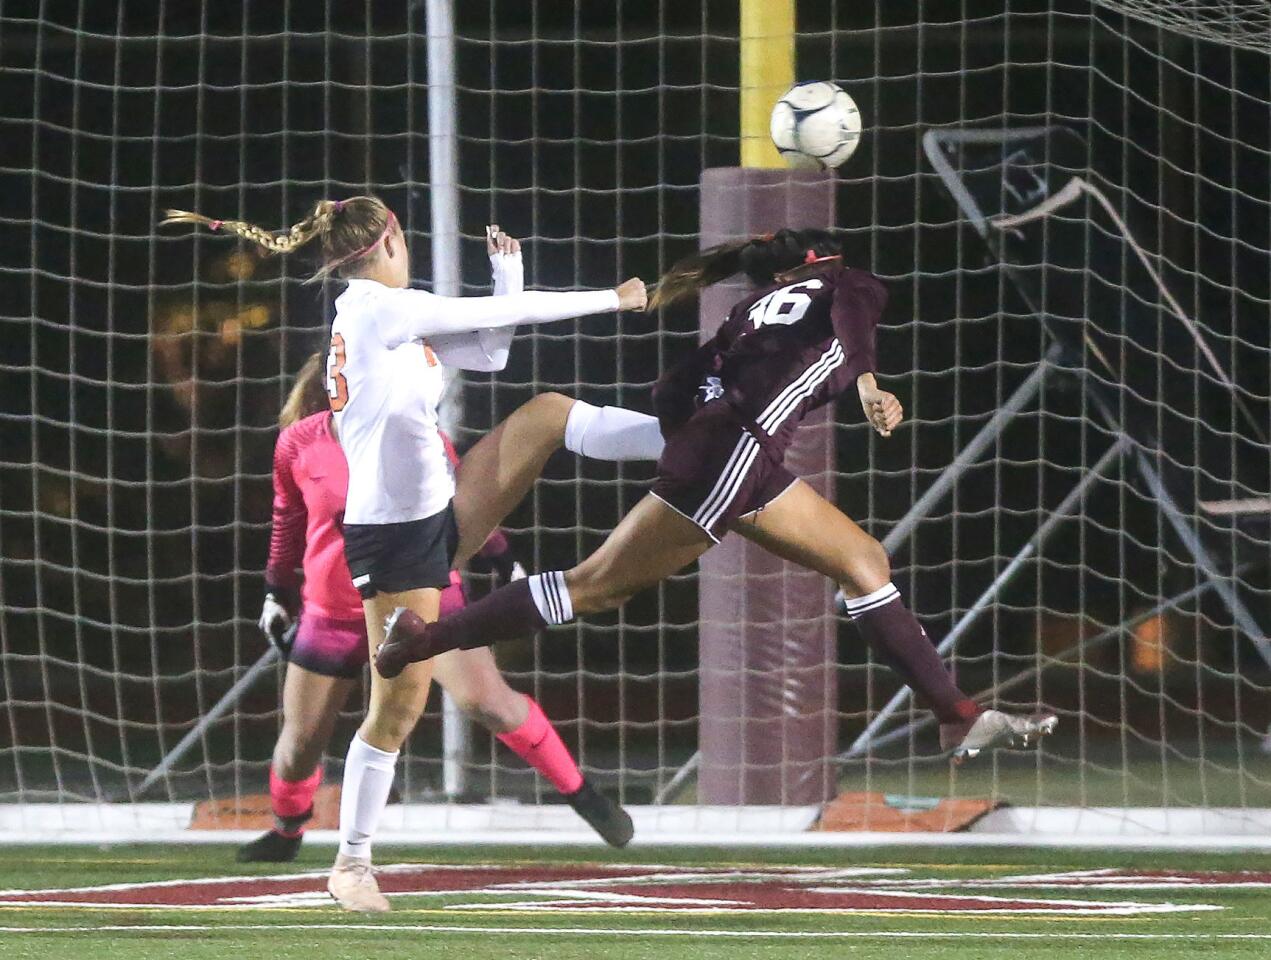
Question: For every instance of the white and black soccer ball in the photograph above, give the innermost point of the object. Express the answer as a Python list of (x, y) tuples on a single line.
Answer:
[(816, 125)]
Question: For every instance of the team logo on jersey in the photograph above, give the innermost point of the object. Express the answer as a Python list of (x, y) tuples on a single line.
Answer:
[(602, 888)]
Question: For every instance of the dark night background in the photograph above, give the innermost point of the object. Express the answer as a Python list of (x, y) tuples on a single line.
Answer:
[(144, 368)]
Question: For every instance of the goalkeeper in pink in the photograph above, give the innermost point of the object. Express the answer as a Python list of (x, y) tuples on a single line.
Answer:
[(329, 652)]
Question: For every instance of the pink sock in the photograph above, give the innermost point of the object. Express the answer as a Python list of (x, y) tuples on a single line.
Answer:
[(538, 744), (292, 799)]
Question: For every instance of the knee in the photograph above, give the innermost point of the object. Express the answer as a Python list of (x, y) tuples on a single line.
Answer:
[(867, 569), (549, 409), (593, 590), (493, 704), (388, 725)]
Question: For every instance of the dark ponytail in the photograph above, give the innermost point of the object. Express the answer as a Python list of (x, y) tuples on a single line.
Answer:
[(759, 258)]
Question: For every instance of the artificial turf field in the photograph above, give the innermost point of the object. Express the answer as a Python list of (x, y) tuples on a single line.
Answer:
[(562, 904)]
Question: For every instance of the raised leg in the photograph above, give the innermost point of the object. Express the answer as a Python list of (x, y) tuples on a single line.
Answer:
[(651, 543)]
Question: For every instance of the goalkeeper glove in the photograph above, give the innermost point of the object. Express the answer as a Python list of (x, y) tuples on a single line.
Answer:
[(276, 617)]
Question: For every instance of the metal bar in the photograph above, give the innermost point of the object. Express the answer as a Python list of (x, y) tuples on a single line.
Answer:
[(219, 709), (677, 781), (1108, 634), (972, 452), (1223, 586), (1057, 516), (443, 195)]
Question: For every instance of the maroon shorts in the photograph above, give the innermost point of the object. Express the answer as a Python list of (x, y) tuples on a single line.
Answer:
[(714, 471), (337, 647)]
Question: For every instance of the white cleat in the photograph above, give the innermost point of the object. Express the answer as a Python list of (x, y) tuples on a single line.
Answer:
[(993, 729), (352, 885)]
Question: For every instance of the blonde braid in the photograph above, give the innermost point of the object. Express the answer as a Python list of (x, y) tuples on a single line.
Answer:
[(318, 223)]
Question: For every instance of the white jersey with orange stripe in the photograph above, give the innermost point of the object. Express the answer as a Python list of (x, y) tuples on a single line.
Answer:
[(385, 381)]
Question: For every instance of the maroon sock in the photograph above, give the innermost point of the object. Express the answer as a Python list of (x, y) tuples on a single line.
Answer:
[(899, 641), (508, 613)]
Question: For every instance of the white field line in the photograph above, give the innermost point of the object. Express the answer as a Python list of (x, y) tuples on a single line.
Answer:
[(651, 932)]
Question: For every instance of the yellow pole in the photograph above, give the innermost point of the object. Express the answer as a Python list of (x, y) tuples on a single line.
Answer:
[(767, 71)]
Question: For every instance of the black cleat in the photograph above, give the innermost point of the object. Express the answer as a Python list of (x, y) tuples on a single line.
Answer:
[(602, 814), (271, 847)]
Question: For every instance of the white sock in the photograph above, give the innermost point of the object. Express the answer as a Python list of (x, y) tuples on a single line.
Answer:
[(551, 596), (612, 433), (872, 601), (368, 777)]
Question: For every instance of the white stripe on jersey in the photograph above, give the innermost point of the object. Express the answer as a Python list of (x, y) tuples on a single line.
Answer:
[(776, 412)]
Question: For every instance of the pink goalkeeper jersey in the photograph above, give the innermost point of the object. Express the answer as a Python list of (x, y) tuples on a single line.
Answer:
[(311, 481), (311, 484)]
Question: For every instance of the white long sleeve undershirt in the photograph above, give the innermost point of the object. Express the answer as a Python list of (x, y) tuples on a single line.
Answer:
[(402, 315)]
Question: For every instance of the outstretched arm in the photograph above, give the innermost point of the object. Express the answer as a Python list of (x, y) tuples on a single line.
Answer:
[(416, 314)]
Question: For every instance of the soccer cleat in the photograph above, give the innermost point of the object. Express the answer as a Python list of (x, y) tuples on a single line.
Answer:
[(271, 847), (603, 815), (993, 729), (405, 642), (352, 885)]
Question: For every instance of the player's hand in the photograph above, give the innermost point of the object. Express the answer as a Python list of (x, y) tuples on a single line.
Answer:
[(496, 241), (274, 622), (882, 409), (632, 295)]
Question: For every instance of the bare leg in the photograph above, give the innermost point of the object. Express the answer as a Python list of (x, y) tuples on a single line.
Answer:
[(494, 476), (651, 543), (372, 758), (396, 705), (805, 528), (474, 681), (311, 706)]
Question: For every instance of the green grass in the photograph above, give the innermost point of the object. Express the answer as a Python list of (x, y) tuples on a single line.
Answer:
[(654, 935)]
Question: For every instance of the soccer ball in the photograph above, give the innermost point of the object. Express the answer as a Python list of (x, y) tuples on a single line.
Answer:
[(816, 125)]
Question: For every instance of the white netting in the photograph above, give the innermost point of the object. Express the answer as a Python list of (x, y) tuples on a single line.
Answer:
[(145, 369), (1245, 23)]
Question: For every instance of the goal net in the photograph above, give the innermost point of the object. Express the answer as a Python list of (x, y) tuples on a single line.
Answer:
[(1070, 204)]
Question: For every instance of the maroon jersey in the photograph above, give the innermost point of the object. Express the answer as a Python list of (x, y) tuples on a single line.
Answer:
[(784, 350)]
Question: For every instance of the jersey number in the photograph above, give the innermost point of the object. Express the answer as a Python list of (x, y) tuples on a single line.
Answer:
[(784, 306), (337, 386)]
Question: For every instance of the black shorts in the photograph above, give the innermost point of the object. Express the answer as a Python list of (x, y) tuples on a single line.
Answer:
[(714, 471), (394, 557)]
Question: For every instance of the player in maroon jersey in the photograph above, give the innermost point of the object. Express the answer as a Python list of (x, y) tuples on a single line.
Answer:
[(729, 412), (329, 652)]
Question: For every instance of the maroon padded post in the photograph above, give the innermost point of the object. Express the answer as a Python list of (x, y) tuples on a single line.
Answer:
[(768, 688)]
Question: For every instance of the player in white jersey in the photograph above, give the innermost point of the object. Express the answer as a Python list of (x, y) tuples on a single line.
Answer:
[(409, 520)]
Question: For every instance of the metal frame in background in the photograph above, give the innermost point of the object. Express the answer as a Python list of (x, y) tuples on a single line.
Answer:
[(1215, 580)]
